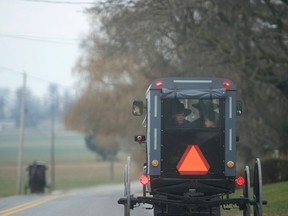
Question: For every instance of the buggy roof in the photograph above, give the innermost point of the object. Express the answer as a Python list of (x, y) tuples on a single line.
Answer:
[(192, 87)]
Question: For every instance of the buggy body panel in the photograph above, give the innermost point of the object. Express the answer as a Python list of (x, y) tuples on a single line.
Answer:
[(167, 144)]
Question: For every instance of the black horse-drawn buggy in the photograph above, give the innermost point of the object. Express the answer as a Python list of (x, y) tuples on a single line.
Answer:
[(190, 142), (36, 177)]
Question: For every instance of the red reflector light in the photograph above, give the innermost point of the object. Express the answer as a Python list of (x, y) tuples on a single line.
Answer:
[(159, 84), (226, 84), (240, 181), (144, 180), (140, 138)]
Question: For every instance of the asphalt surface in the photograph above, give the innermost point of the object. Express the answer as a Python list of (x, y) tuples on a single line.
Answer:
[(96, 201)]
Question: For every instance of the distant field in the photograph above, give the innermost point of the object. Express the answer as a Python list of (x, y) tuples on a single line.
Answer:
[(76, 166)]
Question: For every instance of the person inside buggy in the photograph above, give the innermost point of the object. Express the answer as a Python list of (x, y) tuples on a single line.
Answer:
[(179, 112), (189, 113)]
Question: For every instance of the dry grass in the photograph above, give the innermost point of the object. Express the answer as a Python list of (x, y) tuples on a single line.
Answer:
[(87, 174)]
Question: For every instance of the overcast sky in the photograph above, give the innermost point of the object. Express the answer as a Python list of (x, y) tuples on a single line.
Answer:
[(41, 39)]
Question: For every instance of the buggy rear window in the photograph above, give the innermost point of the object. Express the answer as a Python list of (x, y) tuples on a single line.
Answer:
[(191, 113)]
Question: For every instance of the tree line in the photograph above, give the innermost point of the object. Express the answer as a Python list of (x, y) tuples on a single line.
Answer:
[(133, 42), (37, 109)]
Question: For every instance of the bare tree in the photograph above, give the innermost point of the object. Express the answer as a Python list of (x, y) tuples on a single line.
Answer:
[(143, 39)]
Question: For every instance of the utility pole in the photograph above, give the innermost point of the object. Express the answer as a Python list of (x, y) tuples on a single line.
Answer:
[(54, 102), (21, 136), (52, 187)]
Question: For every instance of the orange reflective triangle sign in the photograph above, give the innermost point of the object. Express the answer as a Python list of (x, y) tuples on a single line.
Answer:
[(193, 162)]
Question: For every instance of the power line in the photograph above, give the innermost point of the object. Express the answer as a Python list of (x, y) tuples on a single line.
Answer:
[(41, 37), (63, 41), (35, 77), (60, 2)]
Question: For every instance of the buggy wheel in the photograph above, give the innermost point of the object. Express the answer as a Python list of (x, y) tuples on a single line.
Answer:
[(257, 190), (127, 186), (246, 191)]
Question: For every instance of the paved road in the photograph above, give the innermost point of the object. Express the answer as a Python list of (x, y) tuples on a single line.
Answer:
[(96, 201)]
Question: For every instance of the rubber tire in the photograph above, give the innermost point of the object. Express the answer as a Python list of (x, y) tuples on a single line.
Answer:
[(127, 186), (257, 189), (246, 191)]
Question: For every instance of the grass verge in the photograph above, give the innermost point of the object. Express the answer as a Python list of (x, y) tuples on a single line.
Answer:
[(275, 194)]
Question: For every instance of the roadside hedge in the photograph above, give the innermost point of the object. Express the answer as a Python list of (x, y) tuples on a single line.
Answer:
[(274, 170)]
